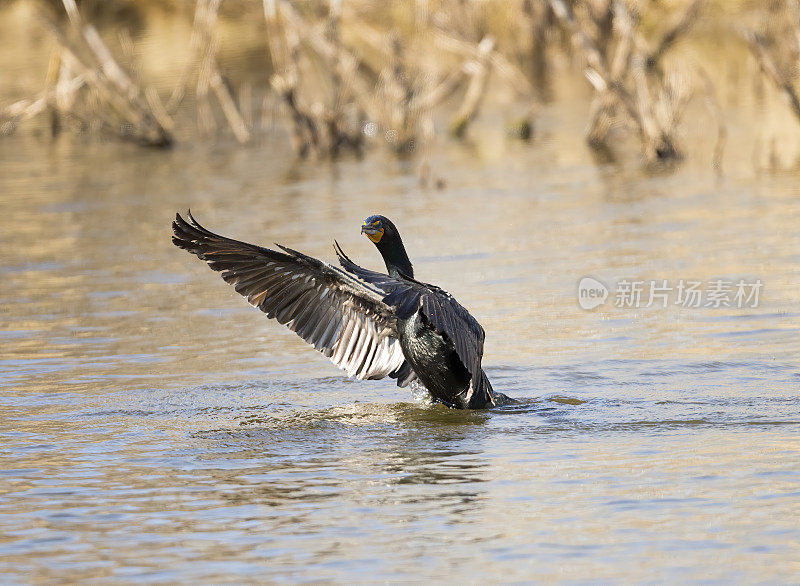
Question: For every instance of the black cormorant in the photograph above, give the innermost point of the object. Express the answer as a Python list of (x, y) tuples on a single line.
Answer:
[(368, 323)]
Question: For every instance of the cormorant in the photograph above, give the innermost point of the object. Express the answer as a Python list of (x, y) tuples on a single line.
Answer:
[(368, 323)]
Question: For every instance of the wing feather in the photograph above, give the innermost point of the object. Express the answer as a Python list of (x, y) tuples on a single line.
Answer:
[(342, 316)]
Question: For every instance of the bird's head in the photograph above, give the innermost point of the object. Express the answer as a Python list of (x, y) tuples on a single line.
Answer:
[(387, 239), (377, 227)]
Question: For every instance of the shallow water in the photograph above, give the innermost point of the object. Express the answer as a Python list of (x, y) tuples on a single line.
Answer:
[(155, 427)]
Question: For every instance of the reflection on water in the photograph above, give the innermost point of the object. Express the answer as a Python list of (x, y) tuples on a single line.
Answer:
[(155, 427)]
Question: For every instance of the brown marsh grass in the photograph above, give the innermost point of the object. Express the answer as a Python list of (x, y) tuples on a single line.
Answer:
[(342, 77)]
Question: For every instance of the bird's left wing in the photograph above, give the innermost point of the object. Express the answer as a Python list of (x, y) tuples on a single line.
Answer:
[(344, 317), (446, 315)]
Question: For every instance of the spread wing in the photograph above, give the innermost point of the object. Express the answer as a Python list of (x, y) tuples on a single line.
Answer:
[(342, 316), (445, 314)]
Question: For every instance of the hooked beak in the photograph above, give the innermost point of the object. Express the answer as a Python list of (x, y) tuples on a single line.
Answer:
[(369, 229), (372, 231)]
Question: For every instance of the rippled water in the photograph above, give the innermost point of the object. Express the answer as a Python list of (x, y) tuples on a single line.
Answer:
[(156, 427)]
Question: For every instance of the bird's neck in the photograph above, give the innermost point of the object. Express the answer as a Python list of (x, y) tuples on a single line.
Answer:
[(396, 259)]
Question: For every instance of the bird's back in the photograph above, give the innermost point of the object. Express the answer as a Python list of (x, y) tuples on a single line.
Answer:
[(442, 341)]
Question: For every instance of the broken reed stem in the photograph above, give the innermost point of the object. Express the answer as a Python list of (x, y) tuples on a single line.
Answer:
[(679, 28), (207, 10), (507, 71), (713, 105), (624, 79), (400, 105), (768, 65), (597, 73), (321, 129), (142, 119), (232, 114), (204, 45), (395, 85), (476, 90), (114, 102)]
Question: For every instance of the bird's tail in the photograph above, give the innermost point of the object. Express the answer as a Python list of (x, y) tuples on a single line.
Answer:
[(483, 395)]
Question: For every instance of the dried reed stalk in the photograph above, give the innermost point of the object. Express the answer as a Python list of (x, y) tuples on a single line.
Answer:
[(767, 61), (208, 77), (85, 83), (626, 75)]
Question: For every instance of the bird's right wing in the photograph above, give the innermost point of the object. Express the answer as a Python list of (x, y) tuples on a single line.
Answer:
[(342, 316)]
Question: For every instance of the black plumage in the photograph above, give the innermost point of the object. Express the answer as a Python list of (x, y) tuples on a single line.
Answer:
[(370, 324)]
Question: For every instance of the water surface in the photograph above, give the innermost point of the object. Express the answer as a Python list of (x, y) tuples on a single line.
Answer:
[(155, 427)]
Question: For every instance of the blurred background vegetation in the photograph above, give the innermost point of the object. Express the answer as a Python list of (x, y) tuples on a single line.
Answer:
[(658, 80)]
